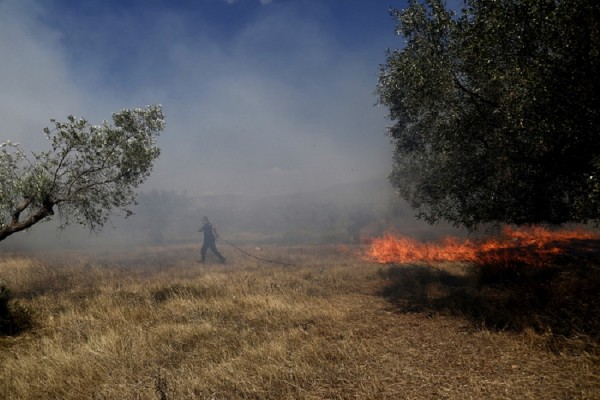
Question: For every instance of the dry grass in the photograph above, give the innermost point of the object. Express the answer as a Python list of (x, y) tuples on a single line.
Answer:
[(155, 324)]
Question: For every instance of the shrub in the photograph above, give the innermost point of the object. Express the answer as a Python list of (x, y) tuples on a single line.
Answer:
[(14, 318)]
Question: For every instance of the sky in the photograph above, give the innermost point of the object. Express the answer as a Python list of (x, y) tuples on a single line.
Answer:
[(261, 97)]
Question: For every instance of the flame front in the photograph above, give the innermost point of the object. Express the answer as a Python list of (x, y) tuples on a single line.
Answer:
[(531, 245)]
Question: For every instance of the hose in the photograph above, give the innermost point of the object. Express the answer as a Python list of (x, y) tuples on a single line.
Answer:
[(253, 256)]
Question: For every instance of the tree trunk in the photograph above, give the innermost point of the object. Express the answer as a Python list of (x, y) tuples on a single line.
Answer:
[(15, 225)]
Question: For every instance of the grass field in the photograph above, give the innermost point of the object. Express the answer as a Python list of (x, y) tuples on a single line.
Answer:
[(153, 323)]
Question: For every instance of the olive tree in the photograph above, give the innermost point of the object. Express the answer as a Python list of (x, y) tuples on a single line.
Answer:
[(496, 111), (89, 171)]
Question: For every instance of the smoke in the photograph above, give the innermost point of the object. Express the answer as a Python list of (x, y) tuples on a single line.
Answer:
[(272, 105), (269, 98), (34, 75)]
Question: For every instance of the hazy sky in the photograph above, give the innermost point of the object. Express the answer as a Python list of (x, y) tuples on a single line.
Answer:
[(260, 96)]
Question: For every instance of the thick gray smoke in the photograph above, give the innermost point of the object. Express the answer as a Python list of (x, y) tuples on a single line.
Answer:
[(262, 99)]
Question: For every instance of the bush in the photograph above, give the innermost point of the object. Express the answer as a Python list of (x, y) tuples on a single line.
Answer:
[(14, 318)]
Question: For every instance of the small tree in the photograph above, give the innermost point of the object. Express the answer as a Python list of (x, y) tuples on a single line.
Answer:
[(90, 171)]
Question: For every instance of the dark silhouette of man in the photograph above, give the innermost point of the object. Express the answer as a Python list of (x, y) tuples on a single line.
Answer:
[(210, 236)]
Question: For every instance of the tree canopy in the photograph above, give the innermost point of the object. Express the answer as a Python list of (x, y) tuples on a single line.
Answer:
[(89, 171), (495, 111)]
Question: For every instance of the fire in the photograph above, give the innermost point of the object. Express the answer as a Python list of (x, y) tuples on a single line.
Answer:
[(532, 245), (401, 249)]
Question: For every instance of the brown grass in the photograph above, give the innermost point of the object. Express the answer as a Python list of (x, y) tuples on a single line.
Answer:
[(154, 324)]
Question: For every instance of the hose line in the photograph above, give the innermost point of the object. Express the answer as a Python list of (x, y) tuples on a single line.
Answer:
[(253, 256)]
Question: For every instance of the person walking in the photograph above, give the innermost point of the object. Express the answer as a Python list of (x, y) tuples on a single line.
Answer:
[(210, 237)]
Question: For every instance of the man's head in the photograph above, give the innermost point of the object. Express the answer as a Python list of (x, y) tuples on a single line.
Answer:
[(205, 220)]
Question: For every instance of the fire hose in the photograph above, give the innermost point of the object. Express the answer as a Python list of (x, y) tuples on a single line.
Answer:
[(253, 256)]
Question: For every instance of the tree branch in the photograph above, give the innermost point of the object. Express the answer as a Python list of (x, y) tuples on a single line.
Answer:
[(473, 94), (15, 226)]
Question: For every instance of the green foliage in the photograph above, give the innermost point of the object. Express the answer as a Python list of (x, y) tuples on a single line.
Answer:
[(89, 171), (496, 111)]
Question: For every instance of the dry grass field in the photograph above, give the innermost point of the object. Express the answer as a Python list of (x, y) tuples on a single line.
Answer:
[(153, 323)]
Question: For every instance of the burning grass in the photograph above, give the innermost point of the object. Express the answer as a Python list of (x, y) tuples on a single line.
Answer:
[(154, 324), (533, 278), (531, 246)]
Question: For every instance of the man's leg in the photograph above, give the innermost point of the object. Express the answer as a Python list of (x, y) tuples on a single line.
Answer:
[(203, 252), (213, 247)]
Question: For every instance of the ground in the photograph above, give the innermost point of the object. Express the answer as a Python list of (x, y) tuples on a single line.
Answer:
[(153, 323)]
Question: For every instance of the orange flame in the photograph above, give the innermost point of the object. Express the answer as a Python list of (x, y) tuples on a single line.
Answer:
[(532, 245)]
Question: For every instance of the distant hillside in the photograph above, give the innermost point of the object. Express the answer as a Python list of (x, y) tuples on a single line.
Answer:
[(344, 212), (373, 193)]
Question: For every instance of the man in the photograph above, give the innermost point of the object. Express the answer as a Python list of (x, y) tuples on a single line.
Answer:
[(210, 236)]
